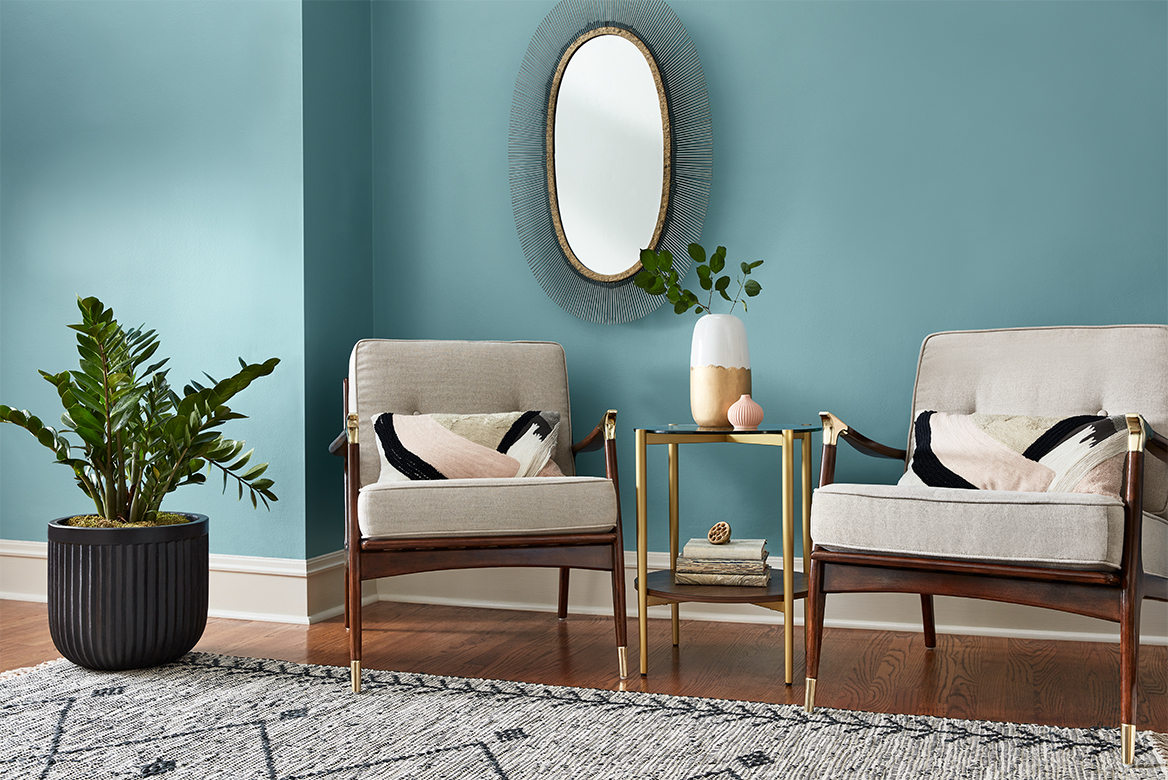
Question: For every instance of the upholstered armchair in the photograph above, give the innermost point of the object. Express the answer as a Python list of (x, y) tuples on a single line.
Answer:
[(404, 514), (1035, 474)]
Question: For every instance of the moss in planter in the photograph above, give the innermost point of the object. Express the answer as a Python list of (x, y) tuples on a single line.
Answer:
[(96, 521)]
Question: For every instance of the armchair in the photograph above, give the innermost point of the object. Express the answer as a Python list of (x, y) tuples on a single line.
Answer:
[(399, 527), (1091, 553)]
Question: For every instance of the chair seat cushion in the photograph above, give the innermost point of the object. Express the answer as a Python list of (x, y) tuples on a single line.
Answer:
[(1069, 530), (486, 507)]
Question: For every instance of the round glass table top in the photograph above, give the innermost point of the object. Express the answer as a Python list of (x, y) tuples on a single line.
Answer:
[(698, 430)]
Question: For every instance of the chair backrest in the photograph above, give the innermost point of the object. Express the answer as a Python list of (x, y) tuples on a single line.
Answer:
[(456, 377), (1049, 372)]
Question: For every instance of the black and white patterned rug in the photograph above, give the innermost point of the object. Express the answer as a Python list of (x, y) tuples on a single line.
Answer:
[(213, 716)]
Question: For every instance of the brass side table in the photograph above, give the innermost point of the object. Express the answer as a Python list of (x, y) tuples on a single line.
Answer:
[(658, 588)]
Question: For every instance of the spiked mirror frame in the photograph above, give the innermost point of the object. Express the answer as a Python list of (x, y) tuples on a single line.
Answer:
[(655, 24)]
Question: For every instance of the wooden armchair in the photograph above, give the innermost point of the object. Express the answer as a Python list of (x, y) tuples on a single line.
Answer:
[(409, 526), (1080, 552)]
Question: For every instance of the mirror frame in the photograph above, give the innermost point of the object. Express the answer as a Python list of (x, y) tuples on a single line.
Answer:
[(689, 163), (667, 151)]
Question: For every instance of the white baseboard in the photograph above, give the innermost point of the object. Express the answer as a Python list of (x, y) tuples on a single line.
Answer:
[(296, 591), (242, 587)]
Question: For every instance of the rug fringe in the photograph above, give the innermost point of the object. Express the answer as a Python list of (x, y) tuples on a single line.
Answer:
[(8, 675)]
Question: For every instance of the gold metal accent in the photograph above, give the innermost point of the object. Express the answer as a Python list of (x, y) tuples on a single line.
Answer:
[(623, 655), (352, 425), (610, 424), (1127, 739), (355, 675), (1137, 436), (642, 551), (667, 158), (788, 555), (674, 521), (833, 427), (809, 700)]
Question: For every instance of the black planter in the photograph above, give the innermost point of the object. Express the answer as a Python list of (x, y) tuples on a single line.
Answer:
[(127, 598)]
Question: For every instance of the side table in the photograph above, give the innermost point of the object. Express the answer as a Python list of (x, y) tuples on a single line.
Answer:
[(658, 587)]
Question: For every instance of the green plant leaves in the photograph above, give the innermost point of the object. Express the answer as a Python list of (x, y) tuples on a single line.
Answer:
[(140, 441)]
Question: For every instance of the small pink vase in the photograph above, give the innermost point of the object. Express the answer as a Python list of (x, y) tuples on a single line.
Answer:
[(745, 414)]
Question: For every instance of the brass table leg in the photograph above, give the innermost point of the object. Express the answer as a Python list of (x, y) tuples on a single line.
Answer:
[(642, 554), (805, 462), (788, 553), (674, 511)]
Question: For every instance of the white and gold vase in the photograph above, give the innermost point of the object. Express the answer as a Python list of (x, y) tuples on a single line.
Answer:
[(719, 368)]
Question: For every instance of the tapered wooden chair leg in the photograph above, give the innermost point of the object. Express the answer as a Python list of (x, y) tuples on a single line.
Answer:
[(562, 611), (928, 620), (354, 602), (816, 600), (1129, 650), (618, 612)]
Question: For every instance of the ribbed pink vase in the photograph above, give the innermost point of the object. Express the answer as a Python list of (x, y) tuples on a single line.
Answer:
[(745, 414)]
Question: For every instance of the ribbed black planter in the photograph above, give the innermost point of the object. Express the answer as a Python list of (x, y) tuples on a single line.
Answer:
[(127, 598)]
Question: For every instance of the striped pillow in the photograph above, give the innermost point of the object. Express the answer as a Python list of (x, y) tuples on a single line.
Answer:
[(1080, 454), (466, 446)]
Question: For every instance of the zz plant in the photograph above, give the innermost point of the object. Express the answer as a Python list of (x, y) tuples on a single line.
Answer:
[(658, 277), (139, 440)]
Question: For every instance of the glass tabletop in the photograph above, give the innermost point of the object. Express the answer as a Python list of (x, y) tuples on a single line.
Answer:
[(698, 430)]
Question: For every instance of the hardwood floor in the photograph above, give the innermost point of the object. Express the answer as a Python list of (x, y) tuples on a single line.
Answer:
[(1028, 681)]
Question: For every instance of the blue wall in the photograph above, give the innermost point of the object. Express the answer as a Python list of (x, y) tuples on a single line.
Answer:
[(903, 168), (152, 156), (339, 299)]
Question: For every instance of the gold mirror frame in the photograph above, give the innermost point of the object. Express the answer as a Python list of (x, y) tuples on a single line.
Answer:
[(667, 151), (585, 294)]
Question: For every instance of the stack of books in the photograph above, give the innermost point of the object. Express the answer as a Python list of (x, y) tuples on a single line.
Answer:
[(737, 562)]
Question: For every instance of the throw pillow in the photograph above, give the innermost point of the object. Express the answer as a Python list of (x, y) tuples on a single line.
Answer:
[(1080, 454), (466, 446)]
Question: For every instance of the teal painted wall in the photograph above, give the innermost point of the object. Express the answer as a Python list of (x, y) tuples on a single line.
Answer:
[(152, 156), (339, 300), (903, 168)]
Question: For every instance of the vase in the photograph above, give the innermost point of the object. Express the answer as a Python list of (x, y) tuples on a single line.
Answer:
[(127, 598), (719, 368), (745, 414)]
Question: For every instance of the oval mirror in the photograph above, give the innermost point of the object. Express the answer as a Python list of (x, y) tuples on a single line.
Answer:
[(608, 153)]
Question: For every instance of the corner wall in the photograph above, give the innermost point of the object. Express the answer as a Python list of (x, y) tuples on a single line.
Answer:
[(152, 157)]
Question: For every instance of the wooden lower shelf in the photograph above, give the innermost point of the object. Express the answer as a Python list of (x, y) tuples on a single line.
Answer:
[(662, 588)]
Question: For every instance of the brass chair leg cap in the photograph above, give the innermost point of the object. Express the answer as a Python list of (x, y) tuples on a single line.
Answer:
[(1127, 734), (809, 700)]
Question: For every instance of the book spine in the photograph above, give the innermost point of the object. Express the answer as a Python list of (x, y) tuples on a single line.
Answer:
[(747, 580), (700, 566), (696, 548)]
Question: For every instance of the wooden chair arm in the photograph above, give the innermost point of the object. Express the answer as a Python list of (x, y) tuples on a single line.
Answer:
[(1157, 445), (604, 431), (834, 428), (338, 445)]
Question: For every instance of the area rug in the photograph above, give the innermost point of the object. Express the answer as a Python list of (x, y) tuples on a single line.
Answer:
[(213, 716)]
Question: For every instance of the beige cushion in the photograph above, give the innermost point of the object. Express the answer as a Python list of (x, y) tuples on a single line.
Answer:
[(1071, 530), (487, 507), (1052, 372), (456, 377)]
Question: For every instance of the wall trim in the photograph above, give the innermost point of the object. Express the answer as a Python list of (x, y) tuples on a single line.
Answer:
[(285, 590)]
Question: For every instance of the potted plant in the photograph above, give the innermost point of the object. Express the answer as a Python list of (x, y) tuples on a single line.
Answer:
[(128, 584), (720, 356)]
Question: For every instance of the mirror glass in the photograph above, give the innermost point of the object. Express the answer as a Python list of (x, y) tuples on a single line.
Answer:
[(608, 153)]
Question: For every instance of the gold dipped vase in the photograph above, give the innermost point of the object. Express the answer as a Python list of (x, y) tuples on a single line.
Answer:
[(719, 368)]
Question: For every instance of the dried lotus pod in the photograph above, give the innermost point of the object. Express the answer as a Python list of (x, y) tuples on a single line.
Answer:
[(719, 534)]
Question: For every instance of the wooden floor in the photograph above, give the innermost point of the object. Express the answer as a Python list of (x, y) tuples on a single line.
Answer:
[(1029, 681)]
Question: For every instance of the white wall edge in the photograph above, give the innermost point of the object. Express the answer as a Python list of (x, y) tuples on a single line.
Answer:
[(302, 592)]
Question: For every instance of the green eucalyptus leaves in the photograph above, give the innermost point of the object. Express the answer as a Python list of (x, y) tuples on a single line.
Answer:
[(658, 277), (139, 440)]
